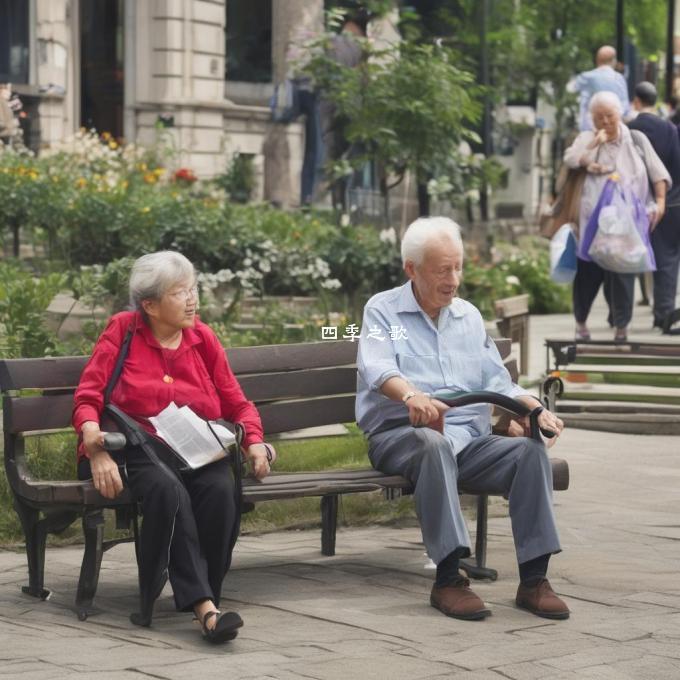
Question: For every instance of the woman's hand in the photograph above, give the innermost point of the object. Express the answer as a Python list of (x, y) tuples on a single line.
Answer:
[(598, 168), (256, 455), (600, 137), (657, 215), (105, 472)]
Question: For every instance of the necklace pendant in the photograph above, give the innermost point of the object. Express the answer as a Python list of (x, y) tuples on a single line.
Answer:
[(168, 379)]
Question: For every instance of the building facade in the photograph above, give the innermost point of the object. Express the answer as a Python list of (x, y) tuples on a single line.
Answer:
[(203, 70)]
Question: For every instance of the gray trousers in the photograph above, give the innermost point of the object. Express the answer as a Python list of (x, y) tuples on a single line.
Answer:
[(516, 467)]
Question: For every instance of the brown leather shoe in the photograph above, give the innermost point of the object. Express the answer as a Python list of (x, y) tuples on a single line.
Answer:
[(541, 600), (458, 601)]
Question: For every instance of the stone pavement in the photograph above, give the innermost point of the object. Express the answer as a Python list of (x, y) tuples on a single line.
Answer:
[(365, 612)]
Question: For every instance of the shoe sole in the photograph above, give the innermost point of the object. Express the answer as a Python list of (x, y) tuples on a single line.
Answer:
[(556, 616), (474, 616)]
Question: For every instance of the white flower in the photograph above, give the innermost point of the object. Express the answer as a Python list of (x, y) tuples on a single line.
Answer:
[(388, 236), (344, 220), (331, 284), (512, 280)]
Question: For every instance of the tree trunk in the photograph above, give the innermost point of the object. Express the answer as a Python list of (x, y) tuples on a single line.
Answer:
[(15, 238), (423, 200)]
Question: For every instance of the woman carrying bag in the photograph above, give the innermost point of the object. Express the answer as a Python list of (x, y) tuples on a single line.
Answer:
[(611, 148), (191, 517)]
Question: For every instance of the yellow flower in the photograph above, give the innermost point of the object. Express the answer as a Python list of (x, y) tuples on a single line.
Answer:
[(150, 178), (113, 144), (125, 184), (81, 182), (106, 136), (141, 167), (33, 174), (159, 172), (146, 209)]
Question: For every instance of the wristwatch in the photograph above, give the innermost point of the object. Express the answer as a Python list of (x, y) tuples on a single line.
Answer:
[(408, 395)]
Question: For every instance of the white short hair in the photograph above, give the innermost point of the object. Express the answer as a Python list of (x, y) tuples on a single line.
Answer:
[(155, 274), (423, 232), (606, 99)]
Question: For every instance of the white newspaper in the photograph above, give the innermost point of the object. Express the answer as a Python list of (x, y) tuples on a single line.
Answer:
[(191, 436)]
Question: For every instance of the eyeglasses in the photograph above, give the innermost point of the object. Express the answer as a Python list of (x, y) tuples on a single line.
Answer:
[(185, 294)]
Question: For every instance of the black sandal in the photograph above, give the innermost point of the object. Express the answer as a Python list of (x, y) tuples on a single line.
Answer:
[(226, 626)]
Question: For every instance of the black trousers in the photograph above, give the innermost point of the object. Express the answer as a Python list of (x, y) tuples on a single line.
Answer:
[(666, 246), (619, 291), (189, 529)]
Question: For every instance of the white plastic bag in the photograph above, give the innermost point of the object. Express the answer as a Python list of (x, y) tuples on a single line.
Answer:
[(617, 245), (563, 255)]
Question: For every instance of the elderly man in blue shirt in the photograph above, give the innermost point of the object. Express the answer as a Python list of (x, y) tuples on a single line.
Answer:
[(420, 338), (603, 78)]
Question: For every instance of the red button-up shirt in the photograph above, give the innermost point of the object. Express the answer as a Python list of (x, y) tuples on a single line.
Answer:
[(201, 378)]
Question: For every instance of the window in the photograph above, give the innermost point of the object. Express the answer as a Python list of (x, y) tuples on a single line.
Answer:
[(14, 41), (249, 41)]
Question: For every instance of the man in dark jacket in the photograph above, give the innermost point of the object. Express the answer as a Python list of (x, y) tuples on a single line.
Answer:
[(663, 136)]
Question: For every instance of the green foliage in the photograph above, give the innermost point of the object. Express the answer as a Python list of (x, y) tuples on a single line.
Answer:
[(239, 180), (23, 301), (518, 274), (399, 108)]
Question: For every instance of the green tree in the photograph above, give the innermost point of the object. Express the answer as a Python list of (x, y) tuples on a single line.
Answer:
[(406, 108)]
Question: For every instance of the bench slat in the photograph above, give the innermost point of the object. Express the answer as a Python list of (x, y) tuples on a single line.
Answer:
[(47, 372), (269, 358), (313, 383), (30, 414), (296, 415)]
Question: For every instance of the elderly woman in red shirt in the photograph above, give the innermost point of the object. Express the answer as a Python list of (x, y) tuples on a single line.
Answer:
[(190, 518)]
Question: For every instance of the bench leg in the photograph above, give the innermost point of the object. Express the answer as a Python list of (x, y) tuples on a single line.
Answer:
[(329, 523), (35, 549), (478, 568), (93, 530)]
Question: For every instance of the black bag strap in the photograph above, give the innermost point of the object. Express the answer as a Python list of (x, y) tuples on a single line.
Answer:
[(118, 368)]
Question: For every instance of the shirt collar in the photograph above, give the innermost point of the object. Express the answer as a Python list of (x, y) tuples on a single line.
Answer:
[(190, 336), (406, 302)]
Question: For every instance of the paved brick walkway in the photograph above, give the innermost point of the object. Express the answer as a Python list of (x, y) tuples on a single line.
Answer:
[(365, 612)]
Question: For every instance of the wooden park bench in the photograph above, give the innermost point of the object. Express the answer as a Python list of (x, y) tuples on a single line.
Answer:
[(294, 386), (632, 387), (512, 321)]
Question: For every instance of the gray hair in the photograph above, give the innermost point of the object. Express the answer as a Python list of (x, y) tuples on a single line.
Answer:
[(155, 274), (606, 99), (423, 232)]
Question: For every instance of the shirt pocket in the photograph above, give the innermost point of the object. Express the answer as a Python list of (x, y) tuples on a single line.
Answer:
[(423, 371), (466, 372)]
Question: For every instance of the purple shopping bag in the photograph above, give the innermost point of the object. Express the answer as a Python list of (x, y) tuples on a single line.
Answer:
[(617, 234)]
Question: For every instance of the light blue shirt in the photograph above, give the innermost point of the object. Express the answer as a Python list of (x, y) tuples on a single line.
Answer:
[(457, 354), (601, 79)]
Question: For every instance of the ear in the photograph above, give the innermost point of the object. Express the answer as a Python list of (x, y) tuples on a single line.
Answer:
[(410, 269), (150, 307)]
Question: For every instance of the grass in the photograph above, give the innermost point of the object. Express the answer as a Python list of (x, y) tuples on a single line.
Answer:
[(53, 457)]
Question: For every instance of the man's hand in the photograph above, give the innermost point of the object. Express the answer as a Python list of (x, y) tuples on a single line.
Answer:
[(427, 412), (547, 421)]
